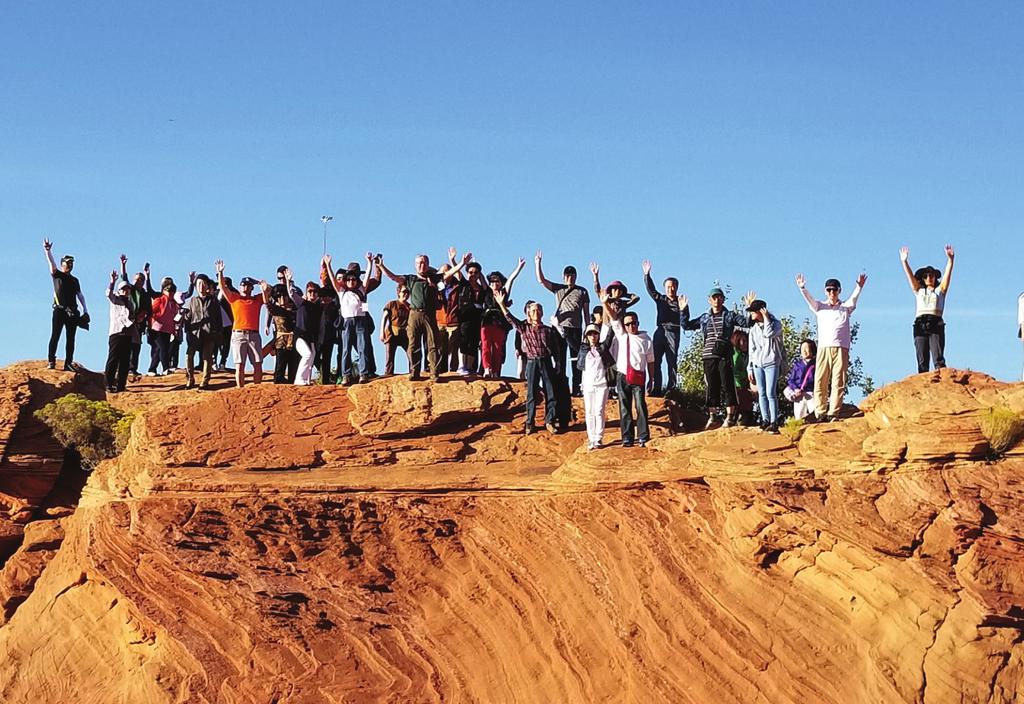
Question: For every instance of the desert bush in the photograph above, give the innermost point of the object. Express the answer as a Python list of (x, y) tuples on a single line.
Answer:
[(95, 429), (793, 428), (1002, 428)]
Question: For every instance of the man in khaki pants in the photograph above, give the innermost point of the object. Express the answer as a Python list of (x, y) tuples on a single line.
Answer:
[(833, 317)]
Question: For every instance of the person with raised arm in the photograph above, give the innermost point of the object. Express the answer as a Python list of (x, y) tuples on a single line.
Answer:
[(354, 318), (572, 304), (616, 297), (282, 311), (716, 326), (597, 363), (494, 328), (765, 361), (422, 303), (393, 324), (666, 336), (834, 338), (930, 294), (539, 348), (67, 295), (308, 312), (162, 323), (142, 304), (246, 343), (120, 333), (634, 362), (204, 320)]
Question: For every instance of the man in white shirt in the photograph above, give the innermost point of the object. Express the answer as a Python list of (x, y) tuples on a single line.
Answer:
[(634, 360), (833, 316)]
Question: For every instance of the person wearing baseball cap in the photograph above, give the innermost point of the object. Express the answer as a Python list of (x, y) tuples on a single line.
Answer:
[(595, 363), (67, 294), (930, 294), (765, 361), (246, 343), (834, 338), (572, 302), (716, 326)]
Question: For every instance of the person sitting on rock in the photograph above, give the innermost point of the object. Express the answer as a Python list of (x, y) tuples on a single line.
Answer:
[(596, 363), (800, 384), (716, 326), (203, 319), (767, 358), (67, 294), (121, 332), (246, 343), (422, 302), (666, 336), (539, 347), (834, 338), (930, 293)]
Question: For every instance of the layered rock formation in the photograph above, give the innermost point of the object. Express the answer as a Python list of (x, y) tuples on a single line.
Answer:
[(405, 542)]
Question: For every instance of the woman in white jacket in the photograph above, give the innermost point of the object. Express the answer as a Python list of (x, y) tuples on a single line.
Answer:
[(766, 357), (595, 361)]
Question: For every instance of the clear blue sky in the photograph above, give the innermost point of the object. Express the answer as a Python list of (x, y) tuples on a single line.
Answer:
[(743, 142)]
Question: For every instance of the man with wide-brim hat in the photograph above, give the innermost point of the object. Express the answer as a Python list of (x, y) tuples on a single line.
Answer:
[(930, 296)]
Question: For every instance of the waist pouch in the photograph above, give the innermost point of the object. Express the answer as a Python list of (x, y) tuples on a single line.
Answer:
[(928, 325)]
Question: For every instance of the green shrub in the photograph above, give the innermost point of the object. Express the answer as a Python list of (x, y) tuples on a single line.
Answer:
[(1002, 428), (793, 428), (95, 429)]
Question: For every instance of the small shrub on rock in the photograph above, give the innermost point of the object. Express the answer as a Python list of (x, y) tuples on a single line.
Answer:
[(793, 428), (95, 429), (1002, 428)]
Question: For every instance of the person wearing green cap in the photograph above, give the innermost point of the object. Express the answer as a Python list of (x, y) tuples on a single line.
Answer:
[(716, 326)]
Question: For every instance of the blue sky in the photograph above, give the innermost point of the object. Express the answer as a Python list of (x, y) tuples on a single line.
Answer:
[(741, 142)]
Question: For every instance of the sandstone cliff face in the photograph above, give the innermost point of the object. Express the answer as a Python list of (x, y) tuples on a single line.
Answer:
[(406, 543)]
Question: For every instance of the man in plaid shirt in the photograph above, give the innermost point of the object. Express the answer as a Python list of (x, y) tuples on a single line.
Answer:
[(539, 345)]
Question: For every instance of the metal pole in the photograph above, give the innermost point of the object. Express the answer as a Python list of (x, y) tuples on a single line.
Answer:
[(325, 219)]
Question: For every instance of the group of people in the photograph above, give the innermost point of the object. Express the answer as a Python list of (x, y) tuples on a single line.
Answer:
[(453, 318)]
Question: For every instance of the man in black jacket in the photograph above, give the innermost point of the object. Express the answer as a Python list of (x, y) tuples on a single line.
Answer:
[(666, 336)]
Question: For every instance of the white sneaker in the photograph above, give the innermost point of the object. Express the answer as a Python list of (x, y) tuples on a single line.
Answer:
[(464, 372), (151, 374)]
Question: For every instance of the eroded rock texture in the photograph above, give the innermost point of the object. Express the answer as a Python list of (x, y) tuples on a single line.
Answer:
[(294, 544)]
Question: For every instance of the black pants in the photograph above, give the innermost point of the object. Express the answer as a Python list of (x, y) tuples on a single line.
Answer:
[(69, 324), (286, 365), (630, 394), (930, 342), (570, 344), (206, 348), (159, 350), (133, 362), (666, 345), (175, 354), (394, 343), (225, 345), (720, 382), (325, 358), (539, 372), (119, 355)]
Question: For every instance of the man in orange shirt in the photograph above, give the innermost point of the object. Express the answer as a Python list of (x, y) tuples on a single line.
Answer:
[(245, 334)]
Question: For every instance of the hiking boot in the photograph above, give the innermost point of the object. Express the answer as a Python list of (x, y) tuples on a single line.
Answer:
[(68, 367), (773, 428), (51, 365)]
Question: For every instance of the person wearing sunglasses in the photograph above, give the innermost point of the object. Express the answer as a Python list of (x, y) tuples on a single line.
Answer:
[(834, 337), (67, 294), (634, 361), (354, 320), (246, 343), (539, 347)]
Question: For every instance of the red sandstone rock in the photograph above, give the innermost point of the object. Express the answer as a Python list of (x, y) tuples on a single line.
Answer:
[(270, 544)]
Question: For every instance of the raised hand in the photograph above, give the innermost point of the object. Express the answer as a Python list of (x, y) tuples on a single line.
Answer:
[(500, 296), (749, 298), (683, 301), (862, 279), (191, 277), (451, 253), (47, 244), (369, 257), (326, 259), (378, 258), (538, 256), (521, 263), (264, 286), (801, 281), (594, 268), (218, 266), (949, 251), (287, 274), (113, 276), (647, 267), (904, 253), (466, 258), (145, 269), (124, 260)]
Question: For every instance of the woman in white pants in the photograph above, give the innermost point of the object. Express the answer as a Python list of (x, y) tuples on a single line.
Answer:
[(595, 361), (308, 311)]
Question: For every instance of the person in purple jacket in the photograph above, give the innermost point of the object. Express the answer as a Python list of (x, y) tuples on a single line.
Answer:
[(800, 384)]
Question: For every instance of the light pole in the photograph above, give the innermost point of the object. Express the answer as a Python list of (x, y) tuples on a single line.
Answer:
[(325, 219)]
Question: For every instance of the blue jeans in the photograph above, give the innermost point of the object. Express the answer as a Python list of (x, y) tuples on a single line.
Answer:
[(540, 371), (767, 380), (353, 336), (628, 394)]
